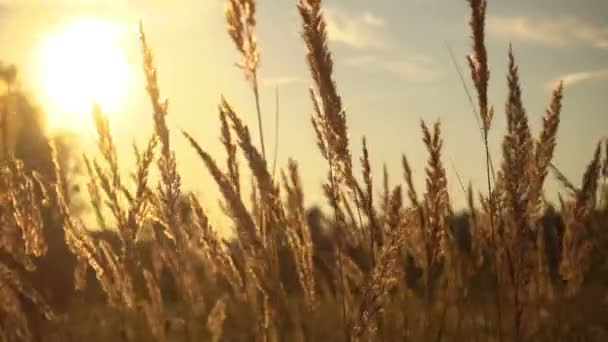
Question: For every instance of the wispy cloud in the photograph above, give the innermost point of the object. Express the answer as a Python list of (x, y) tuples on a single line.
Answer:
[(358, 30), (560, 31), (281, 81), (360, 60), (578, 77), (369, 33), (415, 68)]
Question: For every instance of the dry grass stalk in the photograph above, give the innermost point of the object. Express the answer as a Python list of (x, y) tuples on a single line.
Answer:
[(383, 276), (110, 182), (264, 181), (478, 61), (213, 247), (23, 202), (440, 247), (352, 222), (586, 198), (93, 189), (480, 74), (516, 178), (435, 210), (169, 187), (153, 308), (565, 182), (274, 217), (246, 227), (273, 211), (298, 235), (423, 247), (604, 191), (329, 118), (216, 318), (577, 243), (142, 192), (113, 279), (230, 146), (545, 147), (176, 242), (240, 17), (367, 199), (130, 220), (506, 229), (276, 131), (258, 265), (436, 197), (21, 240)]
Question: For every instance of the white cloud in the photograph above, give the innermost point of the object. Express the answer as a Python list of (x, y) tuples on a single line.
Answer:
[(358, 30), (415, 68), (362, 60), (367, 31), (560, 31), (577, 77), (280, 81)]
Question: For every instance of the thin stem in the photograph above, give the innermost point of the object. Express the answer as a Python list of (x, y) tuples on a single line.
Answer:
[(460, 182), (341, 266), (339, 244), (466, 89), (256, 94), (493, 233), (276, 131), (490, 174), (604, 190), (603, 194), (359, 215)]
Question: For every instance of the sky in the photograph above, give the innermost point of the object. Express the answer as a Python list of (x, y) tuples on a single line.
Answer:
[(392, 67)]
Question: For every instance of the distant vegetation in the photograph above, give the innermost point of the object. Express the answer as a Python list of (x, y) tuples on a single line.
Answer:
[(402, 266)]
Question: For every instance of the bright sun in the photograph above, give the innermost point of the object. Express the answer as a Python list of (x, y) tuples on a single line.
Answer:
[(83, 64)]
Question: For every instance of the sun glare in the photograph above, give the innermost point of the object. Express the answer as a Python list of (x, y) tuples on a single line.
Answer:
[(83, 63)]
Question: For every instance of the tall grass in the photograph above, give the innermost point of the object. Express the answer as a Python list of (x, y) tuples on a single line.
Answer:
[(377, 268)]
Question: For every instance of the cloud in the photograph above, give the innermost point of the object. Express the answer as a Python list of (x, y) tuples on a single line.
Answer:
[(367, 31), (280, 81), (577, 77), (358, 30), (560, 31), (358, 61), (415, 68)]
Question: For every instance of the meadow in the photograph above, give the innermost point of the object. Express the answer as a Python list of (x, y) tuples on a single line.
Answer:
[(392, 264)]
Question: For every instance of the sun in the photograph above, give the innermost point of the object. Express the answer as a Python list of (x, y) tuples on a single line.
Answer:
[(81, 64)]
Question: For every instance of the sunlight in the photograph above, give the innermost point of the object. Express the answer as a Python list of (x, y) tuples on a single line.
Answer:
[(81, 64)]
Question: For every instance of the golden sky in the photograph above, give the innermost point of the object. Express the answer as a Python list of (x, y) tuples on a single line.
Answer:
[(392, 68)]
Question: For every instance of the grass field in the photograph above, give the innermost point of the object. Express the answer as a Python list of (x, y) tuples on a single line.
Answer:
[(401, 266)]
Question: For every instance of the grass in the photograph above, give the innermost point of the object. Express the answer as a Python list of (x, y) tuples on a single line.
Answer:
[(402, 266)]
